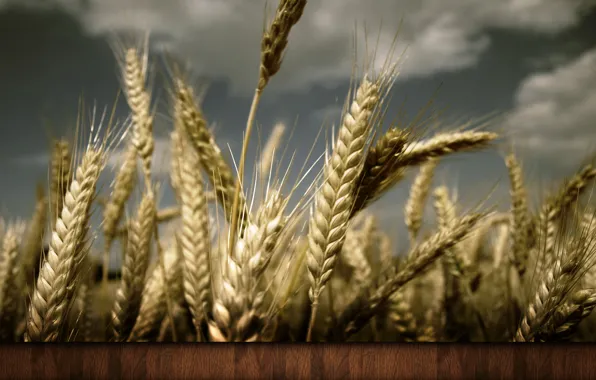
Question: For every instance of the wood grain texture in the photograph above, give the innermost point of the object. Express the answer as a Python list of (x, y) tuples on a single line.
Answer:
[(297, 361)]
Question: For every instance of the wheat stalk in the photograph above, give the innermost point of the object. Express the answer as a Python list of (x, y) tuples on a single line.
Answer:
[(273, 45)]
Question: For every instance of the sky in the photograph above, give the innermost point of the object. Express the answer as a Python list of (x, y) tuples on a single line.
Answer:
[(531, 61)]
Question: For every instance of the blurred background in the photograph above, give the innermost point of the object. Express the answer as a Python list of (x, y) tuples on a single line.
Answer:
[(531, 61)]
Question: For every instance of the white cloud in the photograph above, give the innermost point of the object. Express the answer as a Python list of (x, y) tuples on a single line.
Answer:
[(221, 37), (555, 112)]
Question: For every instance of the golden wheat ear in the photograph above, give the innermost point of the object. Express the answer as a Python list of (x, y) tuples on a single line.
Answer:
[(335, 199), (53, 292), (194, 236), (358, 314), (415, 205), (190, 122), (134, 268), (573, 258)]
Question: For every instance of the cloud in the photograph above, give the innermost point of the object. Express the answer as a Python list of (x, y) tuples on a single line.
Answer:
[(555, 112), (220, 38), (36, 159)]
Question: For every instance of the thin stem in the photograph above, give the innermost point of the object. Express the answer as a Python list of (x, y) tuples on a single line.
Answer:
[(251, 116), (311, 322)]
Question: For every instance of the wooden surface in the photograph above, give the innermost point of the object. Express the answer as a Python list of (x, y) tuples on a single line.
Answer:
[(277, 361)]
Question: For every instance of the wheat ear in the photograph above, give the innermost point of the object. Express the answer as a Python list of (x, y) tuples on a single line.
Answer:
[(217, 169), (418, 193), (441, 144), (554, 287), (556, 207), (10, 283), (361, 310), (177, 139), (154, 307), (236, 314), (124, 183), (401, 317), (377, 172), (139, 101), (134, 268), (59, 176), (354, 256), (335, 199), (269, 222), (520, 216), (194, 237), (52, 296), (565, 321)]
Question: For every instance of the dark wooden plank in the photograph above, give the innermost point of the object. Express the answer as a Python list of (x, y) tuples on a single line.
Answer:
[(134, 361), (298, 361), (15, 362)]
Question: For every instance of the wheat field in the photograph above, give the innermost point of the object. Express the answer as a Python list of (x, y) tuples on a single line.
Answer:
[(245, 264)]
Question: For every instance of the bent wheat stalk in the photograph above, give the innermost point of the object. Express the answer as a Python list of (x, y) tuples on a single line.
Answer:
[(273, 45)]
